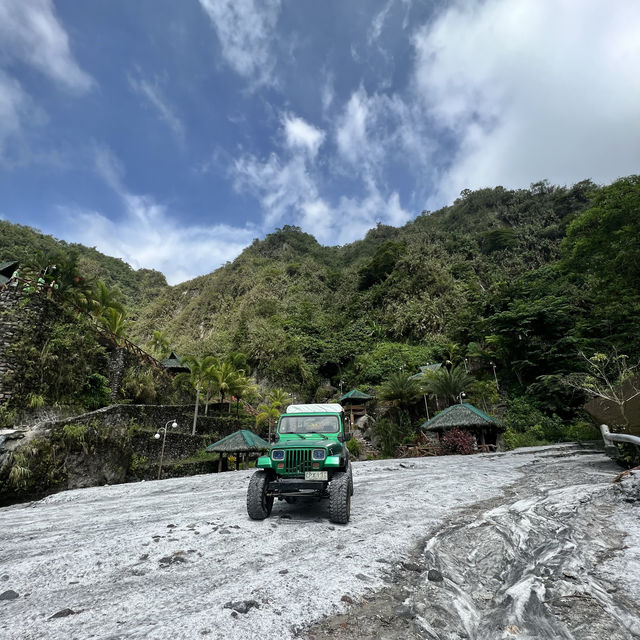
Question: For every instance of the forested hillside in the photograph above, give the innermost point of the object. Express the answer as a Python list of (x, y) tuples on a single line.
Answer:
[(35, 249), (524, 279)]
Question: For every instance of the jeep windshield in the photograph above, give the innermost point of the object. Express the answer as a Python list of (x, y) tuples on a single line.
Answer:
[(308, 424)]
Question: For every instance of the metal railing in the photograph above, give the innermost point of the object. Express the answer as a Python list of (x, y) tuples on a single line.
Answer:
[(611, 438)]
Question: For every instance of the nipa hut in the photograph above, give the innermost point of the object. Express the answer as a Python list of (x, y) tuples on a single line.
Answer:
[(242, 444), (355, 402), (465, 416), (174, 365)]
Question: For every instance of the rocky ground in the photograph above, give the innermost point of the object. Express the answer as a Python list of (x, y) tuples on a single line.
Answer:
[(535, 544)]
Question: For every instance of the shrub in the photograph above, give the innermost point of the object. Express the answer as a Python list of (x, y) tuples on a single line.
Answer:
[(139, 386), (354, 447), (96, 392), (527, 426), (582, 430), (457, 441), (387, 436)]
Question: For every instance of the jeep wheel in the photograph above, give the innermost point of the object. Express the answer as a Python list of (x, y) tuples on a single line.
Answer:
[(350, 472), (340, 498), (258, 503)]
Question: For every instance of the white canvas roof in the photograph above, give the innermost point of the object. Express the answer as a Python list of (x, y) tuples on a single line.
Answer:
[(315, 408)]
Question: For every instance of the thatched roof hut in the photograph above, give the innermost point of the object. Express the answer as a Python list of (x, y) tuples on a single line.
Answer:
[(357, 403), (240, 443), (466, 416), (174, 364), (355, 397)]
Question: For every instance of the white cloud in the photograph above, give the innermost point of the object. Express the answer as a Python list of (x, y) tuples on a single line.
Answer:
[(13, 104), (153, 94), (280, 187), (300, 134), (147, 235), (30, 31), (373, 130), (350, 218), (377, 25), (533, 89), (246, 30), (351, 132), (289, 191)]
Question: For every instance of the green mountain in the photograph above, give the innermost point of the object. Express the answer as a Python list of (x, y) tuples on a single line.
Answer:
[(523, 278), (487, 270)]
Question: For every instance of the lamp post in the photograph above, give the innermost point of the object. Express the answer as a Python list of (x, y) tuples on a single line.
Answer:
[(466, 368), (426, 406), (341, 383), (492, 363), (461, 396), (174, 424)]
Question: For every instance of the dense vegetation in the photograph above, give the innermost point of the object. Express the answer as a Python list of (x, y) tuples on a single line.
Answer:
[(32, 248), (526, 281)]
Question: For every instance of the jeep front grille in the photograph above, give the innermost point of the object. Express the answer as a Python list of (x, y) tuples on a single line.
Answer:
[(298, 461)]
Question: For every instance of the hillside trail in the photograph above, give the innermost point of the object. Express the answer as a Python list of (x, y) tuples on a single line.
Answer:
[(541, 561)]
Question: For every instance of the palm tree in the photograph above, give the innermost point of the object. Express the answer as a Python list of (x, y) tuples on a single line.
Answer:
[(268, 413), (278, 397), (241, 387), (401, 390), (200, 371), (103, 298), (223, 376), (115, 322), (447, 384), (159, 344)]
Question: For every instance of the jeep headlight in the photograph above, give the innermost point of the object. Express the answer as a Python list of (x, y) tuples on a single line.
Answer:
[(277, 454), (319, 454)]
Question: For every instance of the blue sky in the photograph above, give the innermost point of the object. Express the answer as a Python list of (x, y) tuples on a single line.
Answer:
[(171, 134)]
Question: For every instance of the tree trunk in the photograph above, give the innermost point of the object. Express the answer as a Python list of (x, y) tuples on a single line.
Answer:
[(195, 413)]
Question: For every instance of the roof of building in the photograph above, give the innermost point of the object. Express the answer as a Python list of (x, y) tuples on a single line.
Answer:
[(239, 442), (354, 394), (315, 408), (424, 369), (173, 362), (459, 415)]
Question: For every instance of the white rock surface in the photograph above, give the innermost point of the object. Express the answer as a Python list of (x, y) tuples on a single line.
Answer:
[(161, 559)]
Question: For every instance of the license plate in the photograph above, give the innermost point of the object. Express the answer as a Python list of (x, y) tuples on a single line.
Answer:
[(316, 475)]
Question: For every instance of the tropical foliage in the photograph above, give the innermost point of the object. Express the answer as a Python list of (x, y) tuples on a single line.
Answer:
[(519, 283)]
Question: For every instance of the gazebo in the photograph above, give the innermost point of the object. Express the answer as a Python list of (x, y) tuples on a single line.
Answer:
[(174, 365), (242, 442), (356, 401), (470, 418)]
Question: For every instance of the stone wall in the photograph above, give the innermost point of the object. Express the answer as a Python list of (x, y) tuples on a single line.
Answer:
[(156, 416), (20, 314), (9, 329)]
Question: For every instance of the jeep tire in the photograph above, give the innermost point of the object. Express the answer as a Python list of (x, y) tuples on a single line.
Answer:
[(340, 498), (259, 505), (350, 473)]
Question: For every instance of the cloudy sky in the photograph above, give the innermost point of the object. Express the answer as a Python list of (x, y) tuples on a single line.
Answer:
[(171, 134)]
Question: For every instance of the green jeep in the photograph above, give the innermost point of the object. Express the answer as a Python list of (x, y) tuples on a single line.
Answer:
[(309, 460)]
